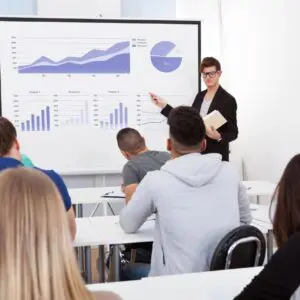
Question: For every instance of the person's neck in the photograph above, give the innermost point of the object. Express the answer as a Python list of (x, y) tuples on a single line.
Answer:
[(213, 89), (143, 151), (175, 154), (13, 154)]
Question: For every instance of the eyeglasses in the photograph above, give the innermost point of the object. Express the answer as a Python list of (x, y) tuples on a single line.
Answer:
[(209, 74)]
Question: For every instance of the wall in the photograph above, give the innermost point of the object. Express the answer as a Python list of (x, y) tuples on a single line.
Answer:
[(259, 57), (208, 13)]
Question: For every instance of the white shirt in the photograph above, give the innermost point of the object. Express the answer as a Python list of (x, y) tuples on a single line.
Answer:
[(205, 107)]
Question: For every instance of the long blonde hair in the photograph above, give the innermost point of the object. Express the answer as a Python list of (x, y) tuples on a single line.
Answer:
[(37, 260)]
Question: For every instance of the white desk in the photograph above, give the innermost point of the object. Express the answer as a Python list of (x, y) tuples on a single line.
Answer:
[(91, 195), (94, 195), (101, 231), (259, 189), (215, 285)]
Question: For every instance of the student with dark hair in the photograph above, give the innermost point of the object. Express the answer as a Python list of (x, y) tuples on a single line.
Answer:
[(213, 98), (280, 278), (197, 199), (10, 157), (141, 160)]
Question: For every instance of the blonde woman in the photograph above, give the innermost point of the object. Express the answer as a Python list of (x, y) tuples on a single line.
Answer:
[(36, 255)]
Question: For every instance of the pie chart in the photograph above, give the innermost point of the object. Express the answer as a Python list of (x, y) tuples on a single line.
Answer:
[(164, 57)]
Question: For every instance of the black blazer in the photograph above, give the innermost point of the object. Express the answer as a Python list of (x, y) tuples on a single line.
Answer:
[(226, 105)]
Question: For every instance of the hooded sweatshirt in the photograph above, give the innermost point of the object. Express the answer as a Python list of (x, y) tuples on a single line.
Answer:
[(197, 200)]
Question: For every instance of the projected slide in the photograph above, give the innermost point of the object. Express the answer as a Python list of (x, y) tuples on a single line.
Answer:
[(162, 57), (116, 59), (69, 86)]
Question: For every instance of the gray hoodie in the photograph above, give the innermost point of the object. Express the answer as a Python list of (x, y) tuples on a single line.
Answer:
[(197, 200)]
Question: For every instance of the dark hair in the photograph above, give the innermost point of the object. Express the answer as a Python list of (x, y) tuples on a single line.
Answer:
[(187, 128), (287, 195), (210, 62), (8, 135), (130, 140)]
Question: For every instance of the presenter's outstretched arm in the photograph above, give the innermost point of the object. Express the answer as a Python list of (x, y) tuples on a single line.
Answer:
[(162, 104)]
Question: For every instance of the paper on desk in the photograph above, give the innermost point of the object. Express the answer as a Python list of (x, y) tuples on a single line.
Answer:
[(214, 119)]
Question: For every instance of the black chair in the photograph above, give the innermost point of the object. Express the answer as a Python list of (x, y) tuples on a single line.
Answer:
[(243, 247)]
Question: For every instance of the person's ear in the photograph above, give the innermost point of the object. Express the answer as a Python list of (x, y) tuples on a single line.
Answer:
[(17, 145), (125, 154), (169, 145), (220, 73), (203, 145)]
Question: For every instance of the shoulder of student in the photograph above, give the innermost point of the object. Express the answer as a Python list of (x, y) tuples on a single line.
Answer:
[(228, 95)]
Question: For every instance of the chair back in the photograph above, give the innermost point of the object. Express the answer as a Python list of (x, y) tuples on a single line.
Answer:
[(243, 247)]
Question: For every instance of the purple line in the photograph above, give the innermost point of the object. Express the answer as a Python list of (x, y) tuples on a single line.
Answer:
[(38, 123), (28, 125), (126, 116), (22, 126), (111, 120), (121, 114), (48, 117), (32, 123), (43, 119), (116, 118)]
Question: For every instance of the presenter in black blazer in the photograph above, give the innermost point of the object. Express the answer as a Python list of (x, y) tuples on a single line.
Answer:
[(213, 98)]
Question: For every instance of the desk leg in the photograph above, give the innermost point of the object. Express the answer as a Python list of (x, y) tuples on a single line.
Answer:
[(101, 264), (88, 271), (79, 211), (269, 244), (116, 263), (105, 208)]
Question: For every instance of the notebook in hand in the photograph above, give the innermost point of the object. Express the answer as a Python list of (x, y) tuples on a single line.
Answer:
[(214, 119)]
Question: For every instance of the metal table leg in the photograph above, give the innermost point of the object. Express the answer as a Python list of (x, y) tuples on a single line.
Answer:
[(269, 244), (79, 211), (88, 271), (116, 263), (101, 263)]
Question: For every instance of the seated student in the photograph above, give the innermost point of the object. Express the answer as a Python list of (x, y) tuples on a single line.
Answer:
[(10, 157), (36, 254), (197, 199), (141, 160), (280, 278)]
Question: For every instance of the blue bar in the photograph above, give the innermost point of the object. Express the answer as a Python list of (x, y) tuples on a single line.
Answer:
[(22, 126), (116, 118), (28, 125), (48, 117), (43, 119), (126, 116), (121, 114), (38, 123), (32, 123), (111, 120)]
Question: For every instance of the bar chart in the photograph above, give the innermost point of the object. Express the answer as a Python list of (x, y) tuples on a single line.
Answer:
[(71, 110), (117, 119), (37, 122)]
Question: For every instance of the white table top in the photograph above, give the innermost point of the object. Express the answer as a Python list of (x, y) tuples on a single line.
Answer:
[(93, 194), (90, 195), (107, 231), (205, 286), (259, 188)]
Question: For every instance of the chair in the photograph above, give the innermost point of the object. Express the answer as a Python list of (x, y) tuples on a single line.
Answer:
[(243, 247)]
